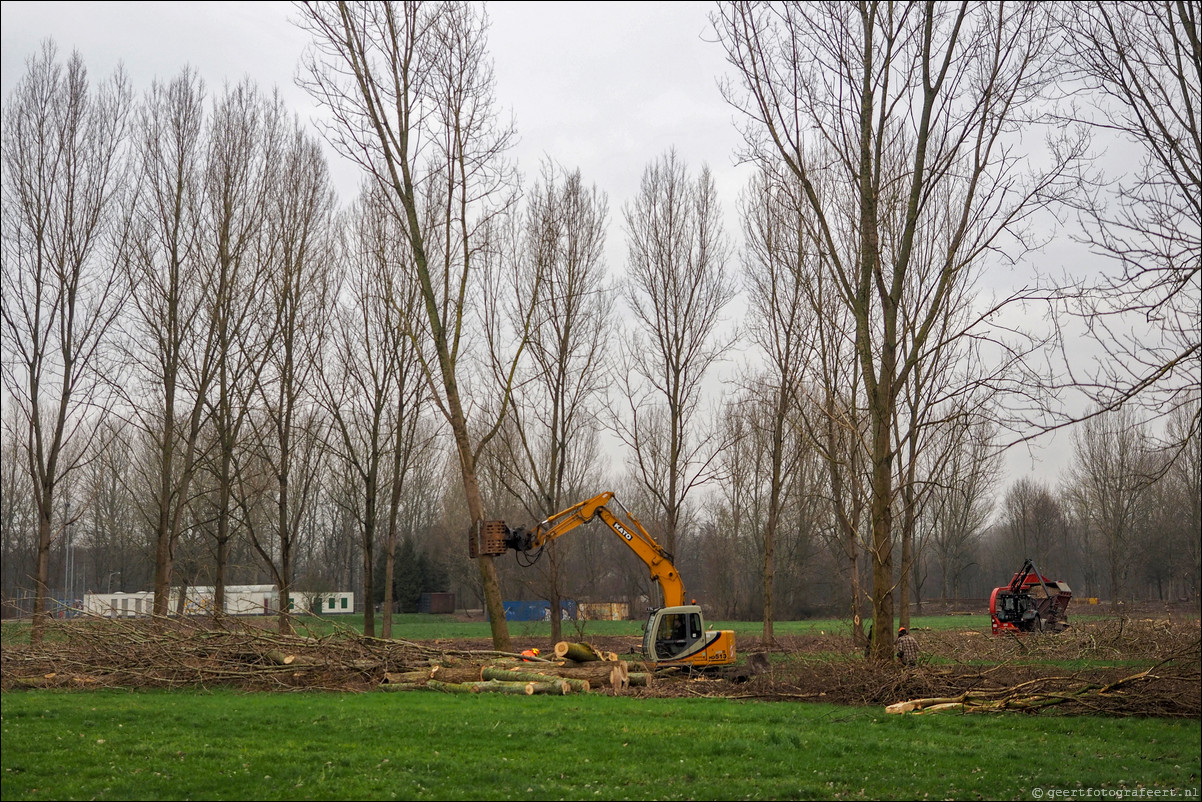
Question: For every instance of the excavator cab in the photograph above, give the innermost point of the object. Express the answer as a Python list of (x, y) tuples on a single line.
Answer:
[(678, 635)]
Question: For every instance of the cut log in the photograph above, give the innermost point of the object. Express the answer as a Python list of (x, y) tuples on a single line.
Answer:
[(944, 706), (34, 682), (619, 678), (578, 685), (514, 675), (456, 674), (543, 675), (598, 674), (305, 660), (421, 675), (278, 658), (497, 686), (639, 679), (579, 652)]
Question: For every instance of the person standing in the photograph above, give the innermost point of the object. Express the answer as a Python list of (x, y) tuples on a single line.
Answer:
[(907, 647)]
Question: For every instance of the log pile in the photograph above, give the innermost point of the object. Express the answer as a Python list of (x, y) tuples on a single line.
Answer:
[(576, 668)]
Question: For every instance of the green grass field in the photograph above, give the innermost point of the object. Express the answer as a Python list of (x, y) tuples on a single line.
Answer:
[(220, 745), (226, 744)]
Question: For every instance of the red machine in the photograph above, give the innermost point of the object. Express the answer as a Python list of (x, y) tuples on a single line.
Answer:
[(1022, 607)]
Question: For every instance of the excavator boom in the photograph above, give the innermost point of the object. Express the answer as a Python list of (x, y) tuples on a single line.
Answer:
[(628, 528)]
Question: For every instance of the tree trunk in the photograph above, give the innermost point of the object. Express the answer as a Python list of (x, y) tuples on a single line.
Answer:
[(489, 582), (556, 600), (907, 551), (40, 612)]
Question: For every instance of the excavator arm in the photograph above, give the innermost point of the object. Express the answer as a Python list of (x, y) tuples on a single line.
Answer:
[(674, 634), (627, 528)]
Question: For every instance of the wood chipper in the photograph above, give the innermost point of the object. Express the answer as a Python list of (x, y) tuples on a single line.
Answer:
[(1030, 603)]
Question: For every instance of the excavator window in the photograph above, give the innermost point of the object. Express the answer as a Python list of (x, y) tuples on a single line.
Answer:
[(670, 637)]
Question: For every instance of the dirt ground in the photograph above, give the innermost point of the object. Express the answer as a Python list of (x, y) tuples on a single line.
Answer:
[(1107, 665)]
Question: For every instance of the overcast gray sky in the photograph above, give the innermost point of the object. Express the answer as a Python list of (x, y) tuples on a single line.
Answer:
[(605, 87)]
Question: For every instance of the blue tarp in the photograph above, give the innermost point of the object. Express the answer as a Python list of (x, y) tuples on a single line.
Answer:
[(538, 610)]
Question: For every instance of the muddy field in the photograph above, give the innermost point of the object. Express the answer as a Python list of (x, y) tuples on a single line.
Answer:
[(1113, 666)]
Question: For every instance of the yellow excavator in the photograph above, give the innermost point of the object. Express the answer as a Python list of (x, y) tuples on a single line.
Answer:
[(675, 634)]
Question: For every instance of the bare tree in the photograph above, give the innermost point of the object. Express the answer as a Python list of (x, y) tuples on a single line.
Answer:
[(242, 159), (1184, 480), (169, 334), (18, 516), (113, 521), (769, 470), (948, 389), (962, 472), (415, 443), (1032, 523), (299, 221), (63, 238), (371, 388), (1141, 66), (896, 119), (548, 455), (412, 94), (1164, 556), (832, 414), (778, 264), (731, 548), (677, 286), (1113, 469)]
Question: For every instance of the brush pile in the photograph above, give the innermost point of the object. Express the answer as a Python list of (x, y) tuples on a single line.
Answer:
[(1108, 666), (225, 651)]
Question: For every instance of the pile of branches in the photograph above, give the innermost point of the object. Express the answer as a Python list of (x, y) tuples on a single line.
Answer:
[(224, 651), (1167, 690), (209, 651), (1119, 638), (974, 671)]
